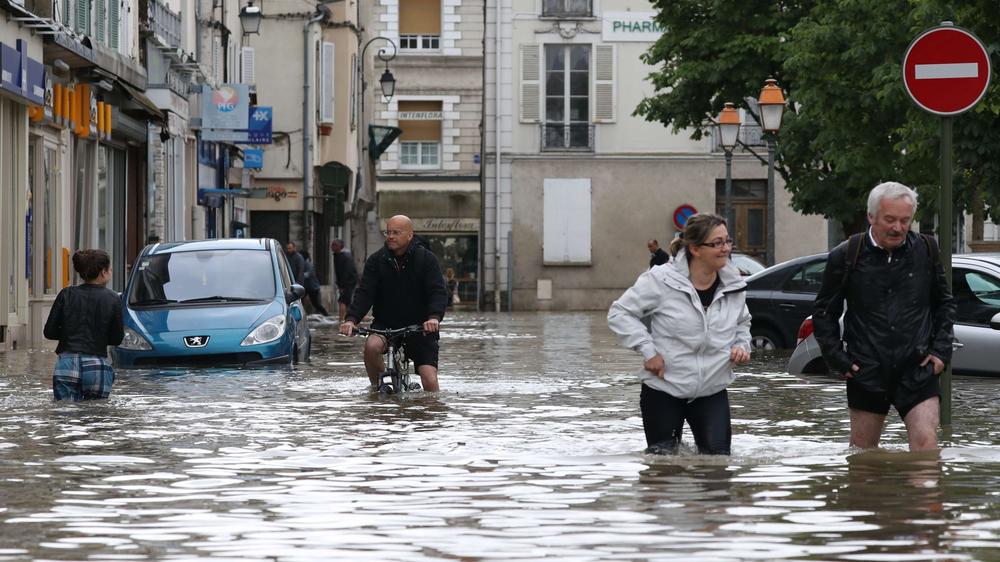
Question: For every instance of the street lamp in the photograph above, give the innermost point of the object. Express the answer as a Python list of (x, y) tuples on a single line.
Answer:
[(729, 132), (772, 104), (250, 18), (387, 81)]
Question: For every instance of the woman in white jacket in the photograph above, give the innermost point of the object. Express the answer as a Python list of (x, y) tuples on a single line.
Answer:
[(699, 328)]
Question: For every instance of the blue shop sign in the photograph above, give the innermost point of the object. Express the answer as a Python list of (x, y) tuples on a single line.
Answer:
[(253, 158), (261, 119), (21, 75)]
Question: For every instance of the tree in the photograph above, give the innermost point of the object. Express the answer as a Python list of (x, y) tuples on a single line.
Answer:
[(849, 123)]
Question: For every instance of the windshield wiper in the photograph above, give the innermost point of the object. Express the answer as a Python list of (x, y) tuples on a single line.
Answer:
[(150, 302), (218, 298)]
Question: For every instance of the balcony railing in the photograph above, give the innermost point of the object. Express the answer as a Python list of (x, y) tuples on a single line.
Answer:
[(164, 24), (750, 135), (567, 137)]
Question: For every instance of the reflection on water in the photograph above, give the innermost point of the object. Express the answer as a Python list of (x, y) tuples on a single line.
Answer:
[(531, 451)]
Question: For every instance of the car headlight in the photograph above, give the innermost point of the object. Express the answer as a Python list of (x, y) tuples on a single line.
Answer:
[(272, 329), (134, 342)]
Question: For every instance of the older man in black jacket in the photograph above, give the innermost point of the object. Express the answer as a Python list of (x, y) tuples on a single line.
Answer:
[(403, 285), (898, 326)]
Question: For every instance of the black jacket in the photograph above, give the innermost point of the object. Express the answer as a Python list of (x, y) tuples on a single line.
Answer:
[(85, 319), (403, 291), (659, 257), (298, 265), (343, 268), (899, 309)]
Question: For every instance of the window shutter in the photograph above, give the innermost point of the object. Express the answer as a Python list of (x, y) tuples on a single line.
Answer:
[(605, 68), (81, 17), (66, 11), (531, 95), (100, 17), (566, 216), (326, 104), (247, 66), (217, 59), (114, 27)]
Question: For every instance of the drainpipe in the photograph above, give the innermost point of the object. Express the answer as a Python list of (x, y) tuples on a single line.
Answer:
[(499, 152), (322, 12)]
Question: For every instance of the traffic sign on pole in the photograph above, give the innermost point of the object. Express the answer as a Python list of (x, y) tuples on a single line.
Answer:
[(682, 214), (946, 70)]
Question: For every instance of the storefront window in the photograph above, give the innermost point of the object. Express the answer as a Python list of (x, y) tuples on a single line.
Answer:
[(458, 252)]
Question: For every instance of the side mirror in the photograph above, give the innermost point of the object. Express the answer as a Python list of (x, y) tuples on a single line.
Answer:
[(295, 292), (995, 321)]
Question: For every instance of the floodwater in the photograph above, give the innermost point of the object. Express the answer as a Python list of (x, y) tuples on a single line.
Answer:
[(532, 450)]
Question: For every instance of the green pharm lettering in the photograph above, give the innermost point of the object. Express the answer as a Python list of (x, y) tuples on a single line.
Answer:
[(636, 26)]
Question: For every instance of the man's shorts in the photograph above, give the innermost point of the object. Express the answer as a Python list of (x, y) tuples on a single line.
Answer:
[(346, 295), (82, 377), (904, 398), (422, 349)]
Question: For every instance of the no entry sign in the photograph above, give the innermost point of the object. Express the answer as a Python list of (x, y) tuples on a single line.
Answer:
[(946, 70)]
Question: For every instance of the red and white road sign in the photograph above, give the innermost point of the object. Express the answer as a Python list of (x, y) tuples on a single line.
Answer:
[(946, 70)]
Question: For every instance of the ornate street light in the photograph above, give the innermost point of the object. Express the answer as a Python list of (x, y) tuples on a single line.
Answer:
[(729, 132), (387, 82), (772, 106), (250, 18)]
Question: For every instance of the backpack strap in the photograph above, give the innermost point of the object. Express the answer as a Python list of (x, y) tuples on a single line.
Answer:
[(853, 251), (933, 250)]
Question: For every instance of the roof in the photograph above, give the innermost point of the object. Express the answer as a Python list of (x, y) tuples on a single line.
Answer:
[(205, 245)]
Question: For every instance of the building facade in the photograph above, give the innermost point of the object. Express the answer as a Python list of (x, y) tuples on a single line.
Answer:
[(574, 184), (432, 172)]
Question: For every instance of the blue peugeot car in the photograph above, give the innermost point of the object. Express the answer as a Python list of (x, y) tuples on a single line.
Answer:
[(228, 302)]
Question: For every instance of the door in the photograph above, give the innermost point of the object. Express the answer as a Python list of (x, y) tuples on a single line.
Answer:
[(270, 224), (748, 223), (977, 300)]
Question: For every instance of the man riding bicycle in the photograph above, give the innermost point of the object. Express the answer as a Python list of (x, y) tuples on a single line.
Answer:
[(402, 285)]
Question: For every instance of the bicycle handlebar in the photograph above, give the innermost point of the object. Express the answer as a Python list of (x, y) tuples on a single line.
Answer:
[(389, 332)]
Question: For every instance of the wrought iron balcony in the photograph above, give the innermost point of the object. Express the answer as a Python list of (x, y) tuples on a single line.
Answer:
[(164, 24), (567, 8), (567, 137)]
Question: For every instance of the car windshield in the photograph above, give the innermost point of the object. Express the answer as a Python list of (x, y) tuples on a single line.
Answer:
[(746, 264), (203, 276)]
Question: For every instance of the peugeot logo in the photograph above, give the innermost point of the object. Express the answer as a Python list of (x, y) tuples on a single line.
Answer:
[(195, 341)]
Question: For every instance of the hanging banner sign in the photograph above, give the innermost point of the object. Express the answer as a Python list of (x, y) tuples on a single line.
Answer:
[(226, 108)]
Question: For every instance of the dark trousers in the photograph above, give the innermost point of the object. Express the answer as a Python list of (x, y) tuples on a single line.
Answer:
[(317, 304), (663, 418)]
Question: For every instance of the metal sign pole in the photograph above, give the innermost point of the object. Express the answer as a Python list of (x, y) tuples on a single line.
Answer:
[(945, 221)]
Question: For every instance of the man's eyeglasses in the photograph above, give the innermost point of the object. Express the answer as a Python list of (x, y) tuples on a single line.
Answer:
[(388, 233), (717, 243)]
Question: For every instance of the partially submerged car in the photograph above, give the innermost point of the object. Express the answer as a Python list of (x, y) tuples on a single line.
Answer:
[(227, 302)]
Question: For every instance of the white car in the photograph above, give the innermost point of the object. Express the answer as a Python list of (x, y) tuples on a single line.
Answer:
[(976, 289)]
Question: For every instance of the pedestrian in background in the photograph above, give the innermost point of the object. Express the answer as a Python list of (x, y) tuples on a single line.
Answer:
[(898, 328), (347, 276), (699, 328), (452, 285), (311, 284), (85, 319), (296, 262), (658, 256)]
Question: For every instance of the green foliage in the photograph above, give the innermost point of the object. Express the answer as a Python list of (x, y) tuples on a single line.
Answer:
[(850, 123)]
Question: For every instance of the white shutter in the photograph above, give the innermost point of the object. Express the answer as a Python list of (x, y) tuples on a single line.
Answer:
[(247, 66), (531, 90), (217, 59), (605, 68), (326, 84), (566, 221)]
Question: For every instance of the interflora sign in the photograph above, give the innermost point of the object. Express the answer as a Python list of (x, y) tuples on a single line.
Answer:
[(630, 26), (946, 70)]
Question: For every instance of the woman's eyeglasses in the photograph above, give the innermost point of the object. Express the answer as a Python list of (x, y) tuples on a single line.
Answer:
[(717, 243)]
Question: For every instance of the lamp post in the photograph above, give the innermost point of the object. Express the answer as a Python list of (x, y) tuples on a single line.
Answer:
[(729, 131), (772, 105), (250, 17), (387, 81)]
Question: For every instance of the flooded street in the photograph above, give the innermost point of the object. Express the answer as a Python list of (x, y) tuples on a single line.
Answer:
[(532, 450)]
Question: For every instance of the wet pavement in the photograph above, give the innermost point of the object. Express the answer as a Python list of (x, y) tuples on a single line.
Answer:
[(532, 450)]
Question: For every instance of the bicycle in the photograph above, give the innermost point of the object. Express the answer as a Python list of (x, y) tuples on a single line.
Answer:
[(396, 377)]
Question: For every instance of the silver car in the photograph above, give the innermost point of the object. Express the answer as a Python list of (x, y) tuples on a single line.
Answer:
[(976, 289)]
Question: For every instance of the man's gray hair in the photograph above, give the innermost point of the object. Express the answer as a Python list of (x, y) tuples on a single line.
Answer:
[(889, 190)]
